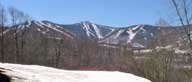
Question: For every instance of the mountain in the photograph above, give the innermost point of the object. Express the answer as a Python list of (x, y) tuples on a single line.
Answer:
[(137, 36)]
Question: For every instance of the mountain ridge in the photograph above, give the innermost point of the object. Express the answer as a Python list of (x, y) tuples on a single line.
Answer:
[(135, 36)]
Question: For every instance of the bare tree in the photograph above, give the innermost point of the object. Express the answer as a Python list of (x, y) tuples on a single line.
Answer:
[(161, 22), (58, 52), (17, 17), (183, 9), (14, 18), (23, 18), (3, 20)]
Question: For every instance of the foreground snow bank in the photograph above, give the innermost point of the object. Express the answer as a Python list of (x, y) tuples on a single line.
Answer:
[(34, 73)]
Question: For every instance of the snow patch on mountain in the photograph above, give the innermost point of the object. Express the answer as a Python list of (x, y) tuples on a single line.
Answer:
[(152, 34), (132, 34), (54, 28), (28, 23), (142, 28), (112, 30), (38, 29), (97, 30), (118, 33), (46, 26), (58, 26), (88, 30), (4, 32), (40, 24), (136, 27)]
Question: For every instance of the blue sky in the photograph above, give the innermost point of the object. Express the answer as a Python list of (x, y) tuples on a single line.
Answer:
[(107, 12)]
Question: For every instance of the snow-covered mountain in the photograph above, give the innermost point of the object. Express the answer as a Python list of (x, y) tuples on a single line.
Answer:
[(139, 36), (34, 73), (89, 30)]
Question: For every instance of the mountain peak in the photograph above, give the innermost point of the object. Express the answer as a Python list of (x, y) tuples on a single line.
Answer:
[(86, 22)]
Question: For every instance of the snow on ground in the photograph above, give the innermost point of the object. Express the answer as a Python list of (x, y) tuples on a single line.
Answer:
[(168, 47), (178, 51), (143, 51), (109, 46), (34, 73), (171, 48)]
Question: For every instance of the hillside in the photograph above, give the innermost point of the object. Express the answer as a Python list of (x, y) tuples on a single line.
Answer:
[(137, 36)]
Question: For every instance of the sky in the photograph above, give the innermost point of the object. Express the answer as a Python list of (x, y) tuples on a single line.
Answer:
[(117, 13)]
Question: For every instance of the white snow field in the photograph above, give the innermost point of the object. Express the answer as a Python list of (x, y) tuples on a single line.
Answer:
[(34, 73)]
